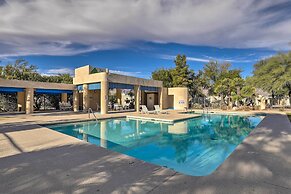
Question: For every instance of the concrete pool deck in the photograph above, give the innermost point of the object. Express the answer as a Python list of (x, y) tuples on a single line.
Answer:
[(35, 159)]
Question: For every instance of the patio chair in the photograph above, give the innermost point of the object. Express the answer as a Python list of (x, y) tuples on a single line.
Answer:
[(145, 110), (159, 110), (117, 107), (126, 106), (65, 106)]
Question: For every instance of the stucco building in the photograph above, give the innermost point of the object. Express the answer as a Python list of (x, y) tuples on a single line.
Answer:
[(91, 89)]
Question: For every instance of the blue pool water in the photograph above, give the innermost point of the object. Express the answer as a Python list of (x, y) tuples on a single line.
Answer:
[(195, 146)]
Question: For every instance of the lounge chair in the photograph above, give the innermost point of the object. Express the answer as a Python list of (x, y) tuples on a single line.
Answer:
[(65, 105), (158, 110), (117, 107), (145, 110)]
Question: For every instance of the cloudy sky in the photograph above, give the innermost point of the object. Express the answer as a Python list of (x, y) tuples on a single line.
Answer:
[(136, 36)]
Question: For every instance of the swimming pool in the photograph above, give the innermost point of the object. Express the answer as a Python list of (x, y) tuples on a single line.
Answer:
[(194, 147)]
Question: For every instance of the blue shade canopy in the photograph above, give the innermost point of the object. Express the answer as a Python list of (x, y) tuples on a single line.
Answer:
[(52, 91), (95, 86), (10, 90), (80, 87), (148, 88), (120, 86)]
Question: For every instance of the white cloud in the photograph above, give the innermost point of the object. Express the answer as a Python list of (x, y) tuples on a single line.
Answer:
[(197, 59), (66, 27), (208, 59), (172, 57), (58, 71), (128, 73)]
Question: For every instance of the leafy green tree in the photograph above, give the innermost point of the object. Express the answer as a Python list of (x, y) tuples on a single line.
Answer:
[(23, 70), (164, 75), (273, 74), (212, 72), (60, 78), (228, 84), (198, 84), (20, 70), (248, 93), (182, 75), (216, 77)]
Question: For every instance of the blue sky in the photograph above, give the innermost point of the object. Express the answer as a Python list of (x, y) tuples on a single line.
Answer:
[(135, 37), (143, 58)]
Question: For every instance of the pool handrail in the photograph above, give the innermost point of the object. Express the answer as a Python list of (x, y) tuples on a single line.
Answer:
[(91, 111)]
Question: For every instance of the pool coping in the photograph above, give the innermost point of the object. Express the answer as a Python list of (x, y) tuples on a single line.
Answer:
[(160, 119), (169, 121)]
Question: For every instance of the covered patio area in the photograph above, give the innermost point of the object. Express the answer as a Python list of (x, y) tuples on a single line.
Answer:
[(104, 91), (30, 96)]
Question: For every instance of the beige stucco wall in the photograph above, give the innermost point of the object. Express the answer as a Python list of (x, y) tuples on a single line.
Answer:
[(94, 99), (82, 75), (164, 98), (116, 78), (181, 97), (32, 84), (20, 101)]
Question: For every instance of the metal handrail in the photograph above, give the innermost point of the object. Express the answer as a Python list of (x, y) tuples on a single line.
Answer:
[(91, 111)]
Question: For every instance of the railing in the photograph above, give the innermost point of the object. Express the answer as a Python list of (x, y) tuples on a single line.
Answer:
[(89, 113)]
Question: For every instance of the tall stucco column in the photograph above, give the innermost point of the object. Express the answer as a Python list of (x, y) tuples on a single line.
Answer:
[(118, 96), (20, 101), (76, 100), (137, 97), (104, 97), (64, 97), (29, 95), (160, 97), (85, 98)]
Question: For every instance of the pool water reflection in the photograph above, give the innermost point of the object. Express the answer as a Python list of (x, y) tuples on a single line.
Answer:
[(195, 146)]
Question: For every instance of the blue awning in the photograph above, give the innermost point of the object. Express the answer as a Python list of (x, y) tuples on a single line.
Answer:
[(80, 87), (120, 86), (52, 91), (95, 86), (148, 88), (10, 90)]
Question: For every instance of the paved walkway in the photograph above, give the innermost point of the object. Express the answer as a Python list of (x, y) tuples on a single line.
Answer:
[(34, 159)]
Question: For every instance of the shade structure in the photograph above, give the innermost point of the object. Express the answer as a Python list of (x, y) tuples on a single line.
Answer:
[(120, 86), (94, 86), (11, 90), (148, 88), (80, 87), (52, 91)]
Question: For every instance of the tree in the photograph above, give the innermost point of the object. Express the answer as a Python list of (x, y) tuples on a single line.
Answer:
[(224, 82), (20, 70), (272, 74), (164, 75), (215, 77), (212, 72), (182, 75), (248, 93)]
